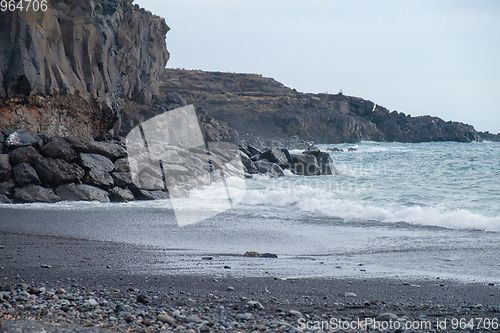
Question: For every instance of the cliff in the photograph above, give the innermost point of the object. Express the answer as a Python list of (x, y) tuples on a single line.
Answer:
[(96, 52), (262, 108)]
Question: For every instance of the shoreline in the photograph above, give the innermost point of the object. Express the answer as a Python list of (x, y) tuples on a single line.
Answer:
[(80, 268)]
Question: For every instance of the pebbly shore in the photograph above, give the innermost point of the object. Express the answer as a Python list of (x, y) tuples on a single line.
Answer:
[(55, 284)]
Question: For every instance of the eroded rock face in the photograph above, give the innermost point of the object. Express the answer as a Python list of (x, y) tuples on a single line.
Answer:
[(102, 49)]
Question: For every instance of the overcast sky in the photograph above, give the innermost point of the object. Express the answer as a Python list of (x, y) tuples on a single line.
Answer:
[(425, 57)]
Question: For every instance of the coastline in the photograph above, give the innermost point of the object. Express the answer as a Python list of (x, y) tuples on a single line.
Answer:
[(105, 271)]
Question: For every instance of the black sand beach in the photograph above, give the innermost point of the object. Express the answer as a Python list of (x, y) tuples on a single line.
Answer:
[(125, 297)]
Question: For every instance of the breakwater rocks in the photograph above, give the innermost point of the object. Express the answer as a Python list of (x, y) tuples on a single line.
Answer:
[(40, 168), (264, 111)]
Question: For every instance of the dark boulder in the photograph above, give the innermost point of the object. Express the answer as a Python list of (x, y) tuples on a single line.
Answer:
[(96, 161), (117, 194), (24, 174), (56, 172), (24, 155), (125, 165), (35, 193), (58, 148), (151, 195), (81, 192), (7, 187), (99, 178), (128, 180), (326, 164), (247, 163), (5, 168), (78, 144), (23, 138), (305, 165), (111, 150), (274, 155), (4, 199), (268, 168), (253, 150), (244, 150)]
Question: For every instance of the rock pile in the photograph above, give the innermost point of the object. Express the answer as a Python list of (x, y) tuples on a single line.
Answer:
[(273, 161)]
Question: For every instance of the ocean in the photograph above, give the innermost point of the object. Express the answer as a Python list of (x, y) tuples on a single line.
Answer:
[(397, 210)]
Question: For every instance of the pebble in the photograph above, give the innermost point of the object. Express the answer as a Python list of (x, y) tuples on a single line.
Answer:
[(350, 294), (244, 316), (165, 318), (387, 316), (295, 313), (230, 288), (255, 305), (92, 302), (176, 313)]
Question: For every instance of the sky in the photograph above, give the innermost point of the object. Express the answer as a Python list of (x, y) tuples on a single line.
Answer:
[(420, 57)]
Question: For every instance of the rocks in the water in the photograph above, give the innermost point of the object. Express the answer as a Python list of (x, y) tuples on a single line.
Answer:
[(35, 193), (81, 192), (252, 254), (7, 187), (268, 168), (326, 164), (23, 138), (56, 172), (274, 155), (118, 194), (4, 199), (5, 168), (305, 165), (125, 179), (151, 195), (247, 163), (24, 155), (24, 174), (58, 148)]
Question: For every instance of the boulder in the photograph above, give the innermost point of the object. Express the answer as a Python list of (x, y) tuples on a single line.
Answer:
[(5, 168), (7, 187), (305, 165), (244, 150), (99, 178), (247, 162), (35, 193), (111, 150), (23, 138), (96, 161), (1, 148), (149, 182), (118, 194), (253, 150), (56, 172), (24, 155), (268, 168), (128, 180), (81, 192), (24, 174), (274, 155), (126, 165), (78, 144), (4, 199), (326, 164), (58, 148), (151, 195)]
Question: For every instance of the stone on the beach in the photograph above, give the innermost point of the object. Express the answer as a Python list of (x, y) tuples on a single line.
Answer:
[(146, 322), (99, 178), (387, 316), (269, 169), (176, 313), (4, 199), (24, 155), (58, 148), (23, 138), (269, 255), (165, 318), (81, 192), (96, 161), (7, 187), (35, 193), (118, 194), (244, 316), (350, 294), (55, 172), (5, 168), (255, 305), (151, 195), (142, 299), (24, 174), (252, 254), (274, 155)]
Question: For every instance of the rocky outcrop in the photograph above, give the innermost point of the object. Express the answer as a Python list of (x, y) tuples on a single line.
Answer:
[(266, 113), (64, 71)]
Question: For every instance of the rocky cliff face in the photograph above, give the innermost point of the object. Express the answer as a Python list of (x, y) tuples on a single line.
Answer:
[(261, 107), (98, 50)]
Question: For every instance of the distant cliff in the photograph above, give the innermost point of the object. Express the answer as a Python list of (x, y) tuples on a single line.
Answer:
[(98, 51), (261, 107)]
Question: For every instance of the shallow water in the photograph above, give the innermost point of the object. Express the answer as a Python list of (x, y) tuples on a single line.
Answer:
[(409, 210)]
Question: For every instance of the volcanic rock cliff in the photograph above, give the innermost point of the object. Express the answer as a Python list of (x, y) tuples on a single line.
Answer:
[(91, 52), (261, 108)]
